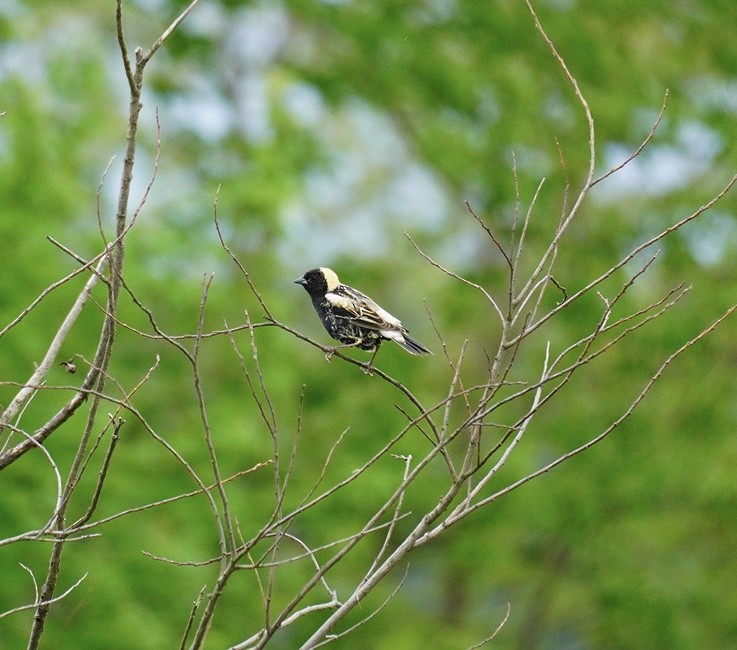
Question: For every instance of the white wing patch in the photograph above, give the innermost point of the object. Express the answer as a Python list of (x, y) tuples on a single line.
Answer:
[(392, 320), (394, 335), (366, 312), (341, 302)]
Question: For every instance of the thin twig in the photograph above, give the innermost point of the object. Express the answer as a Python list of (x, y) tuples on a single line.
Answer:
[(53, 350), (495, 632), (46, 603), (639, 149)]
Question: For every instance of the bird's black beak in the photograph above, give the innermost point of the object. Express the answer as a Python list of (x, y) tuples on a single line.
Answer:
[(301, 281)]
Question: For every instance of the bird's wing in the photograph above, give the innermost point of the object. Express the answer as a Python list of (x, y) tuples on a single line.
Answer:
[(357, 306)]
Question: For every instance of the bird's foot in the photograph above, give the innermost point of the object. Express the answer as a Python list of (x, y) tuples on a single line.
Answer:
[(368, 367)]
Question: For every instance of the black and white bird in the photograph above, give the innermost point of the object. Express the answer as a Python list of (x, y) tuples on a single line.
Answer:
[(353, 318)]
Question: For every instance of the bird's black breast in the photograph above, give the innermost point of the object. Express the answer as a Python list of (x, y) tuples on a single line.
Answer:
[(341, 325)]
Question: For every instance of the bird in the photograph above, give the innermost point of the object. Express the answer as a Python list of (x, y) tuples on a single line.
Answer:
[(353, 318)]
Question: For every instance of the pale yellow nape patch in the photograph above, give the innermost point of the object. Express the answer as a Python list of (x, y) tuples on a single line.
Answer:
[(331, 278)]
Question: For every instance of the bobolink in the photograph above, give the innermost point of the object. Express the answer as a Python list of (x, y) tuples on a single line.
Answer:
[(351, 317)]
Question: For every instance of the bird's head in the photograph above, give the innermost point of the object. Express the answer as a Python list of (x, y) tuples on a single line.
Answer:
[(320, 281)]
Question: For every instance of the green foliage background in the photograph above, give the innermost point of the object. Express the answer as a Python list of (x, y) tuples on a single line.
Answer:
[(329, 128)]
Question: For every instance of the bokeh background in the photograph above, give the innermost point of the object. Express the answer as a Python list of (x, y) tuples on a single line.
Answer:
[(330, 127)]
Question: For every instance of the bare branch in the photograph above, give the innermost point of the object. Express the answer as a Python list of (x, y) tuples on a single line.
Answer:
[(332, 637), (495, 632), (639, 149), (455, 276), (124, 47), (50, 357), (500, 248), (626, 414), (613, 269), (38, 603), (145, 58)]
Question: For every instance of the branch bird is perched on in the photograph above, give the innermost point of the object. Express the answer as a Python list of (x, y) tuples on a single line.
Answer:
[(351, 317)]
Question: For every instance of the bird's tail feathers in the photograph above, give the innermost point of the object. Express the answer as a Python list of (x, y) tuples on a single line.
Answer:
[(412, 346)]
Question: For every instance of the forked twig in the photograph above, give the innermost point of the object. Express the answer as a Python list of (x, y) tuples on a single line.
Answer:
[(639, 149), (37, 603)]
